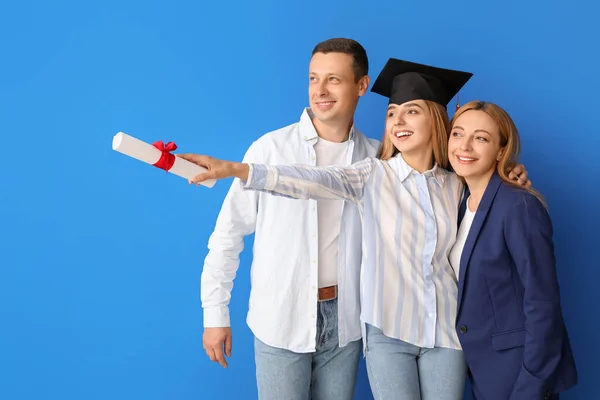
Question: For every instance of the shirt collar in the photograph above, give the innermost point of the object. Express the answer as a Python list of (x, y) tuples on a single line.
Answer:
[(404, 170), (307, 129)]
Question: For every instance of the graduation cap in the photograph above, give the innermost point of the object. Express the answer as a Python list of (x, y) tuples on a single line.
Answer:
[(404, 81)]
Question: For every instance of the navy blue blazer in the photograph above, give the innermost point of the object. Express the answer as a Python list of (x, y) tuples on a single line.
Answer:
[(509, 319)]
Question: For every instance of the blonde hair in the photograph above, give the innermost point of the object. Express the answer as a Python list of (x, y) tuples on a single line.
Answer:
[(439, 136), (509, 139)]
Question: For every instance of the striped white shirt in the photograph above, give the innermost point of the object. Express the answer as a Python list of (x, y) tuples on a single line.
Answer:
[(409, 224)]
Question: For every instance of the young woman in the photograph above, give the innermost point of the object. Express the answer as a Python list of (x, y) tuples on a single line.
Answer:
[(509, 314), (409, 205)]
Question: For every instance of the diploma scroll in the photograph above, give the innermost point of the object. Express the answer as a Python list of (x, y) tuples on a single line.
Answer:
[(152, 154)]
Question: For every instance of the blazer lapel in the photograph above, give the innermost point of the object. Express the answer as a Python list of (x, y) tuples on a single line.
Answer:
[(480, 216)]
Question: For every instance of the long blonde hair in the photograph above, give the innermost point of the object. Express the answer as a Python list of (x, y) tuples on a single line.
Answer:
[(509, 139), (439, 136)]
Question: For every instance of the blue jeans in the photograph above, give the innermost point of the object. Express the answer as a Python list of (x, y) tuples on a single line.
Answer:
[(400, 370), (328, 373)]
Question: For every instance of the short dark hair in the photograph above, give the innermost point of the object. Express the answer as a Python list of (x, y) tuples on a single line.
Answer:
[(347, 46)]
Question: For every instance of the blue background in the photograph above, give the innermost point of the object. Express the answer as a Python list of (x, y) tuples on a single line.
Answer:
[(101, 254)]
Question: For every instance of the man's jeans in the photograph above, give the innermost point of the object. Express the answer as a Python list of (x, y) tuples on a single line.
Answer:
[(329, 373)]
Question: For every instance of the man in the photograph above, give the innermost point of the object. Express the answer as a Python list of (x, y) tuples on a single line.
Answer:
[(304, 300)]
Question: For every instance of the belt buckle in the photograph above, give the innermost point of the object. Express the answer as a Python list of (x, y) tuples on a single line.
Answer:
[(335, 294)]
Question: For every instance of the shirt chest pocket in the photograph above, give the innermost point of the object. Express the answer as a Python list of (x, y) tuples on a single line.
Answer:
[(509, 339)]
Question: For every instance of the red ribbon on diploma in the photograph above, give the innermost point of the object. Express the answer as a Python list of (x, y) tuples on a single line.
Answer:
[(166, 159)]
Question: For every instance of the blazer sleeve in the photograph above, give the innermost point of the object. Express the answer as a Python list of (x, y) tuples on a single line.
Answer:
[(528, 234)]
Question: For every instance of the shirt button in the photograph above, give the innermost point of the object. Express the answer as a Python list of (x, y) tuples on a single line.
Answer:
[(430, 315), (463, 329)]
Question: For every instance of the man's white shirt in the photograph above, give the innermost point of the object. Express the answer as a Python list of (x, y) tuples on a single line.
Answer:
[(287, 267)]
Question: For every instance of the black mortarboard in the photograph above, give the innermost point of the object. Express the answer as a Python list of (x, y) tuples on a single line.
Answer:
[(404, 81)]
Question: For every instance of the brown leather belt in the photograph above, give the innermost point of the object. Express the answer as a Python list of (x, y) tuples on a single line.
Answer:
[(328, 293)]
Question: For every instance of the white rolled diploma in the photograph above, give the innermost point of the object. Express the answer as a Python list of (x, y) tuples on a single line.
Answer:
[(140, 150)]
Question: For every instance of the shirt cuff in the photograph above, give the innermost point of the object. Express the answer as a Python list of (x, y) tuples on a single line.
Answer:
[(261, 177), (216, 317)]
